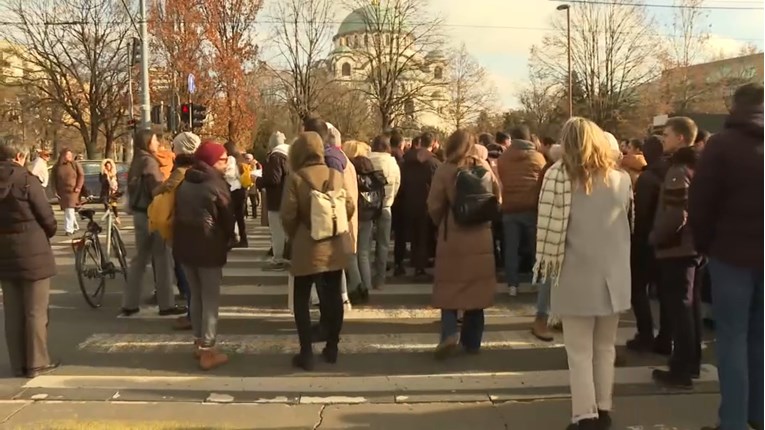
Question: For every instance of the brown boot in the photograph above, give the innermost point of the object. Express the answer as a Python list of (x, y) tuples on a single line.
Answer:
[(210, 358), (540, 329)]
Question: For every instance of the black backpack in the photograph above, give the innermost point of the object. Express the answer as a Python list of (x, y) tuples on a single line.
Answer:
[(474, 199), (371, 194)]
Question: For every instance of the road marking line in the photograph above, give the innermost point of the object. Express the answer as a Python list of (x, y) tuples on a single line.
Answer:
[(347, 385), (350, 343)]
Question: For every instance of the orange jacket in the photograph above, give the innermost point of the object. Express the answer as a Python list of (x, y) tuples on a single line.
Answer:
[(166, 159)]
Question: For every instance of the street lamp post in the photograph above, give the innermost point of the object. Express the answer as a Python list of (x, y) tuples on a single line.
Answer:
[(567, 8)]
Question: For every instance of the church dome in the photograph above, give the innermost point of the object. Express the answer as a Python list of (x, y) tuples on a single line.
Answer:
[(361, 19)]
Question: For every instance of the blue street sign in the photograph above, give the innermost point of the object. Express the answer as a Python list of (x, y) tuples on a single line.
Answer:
[(192, 84)]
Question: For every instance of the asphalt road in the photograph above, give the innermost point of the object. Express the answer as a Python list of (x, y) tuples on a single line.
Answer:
[(386, 352)]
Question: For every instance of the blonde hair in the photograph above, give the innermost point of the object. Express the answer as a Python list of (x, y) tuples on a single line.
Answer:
[(586, 152), (355, 148)]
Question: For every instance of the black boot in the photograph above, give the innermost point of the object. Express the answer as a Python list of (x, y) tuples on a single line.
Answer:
[(303, 361)]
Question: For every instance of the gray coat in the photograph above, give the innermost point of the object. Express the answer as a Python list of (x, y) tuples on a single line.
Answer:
[(595, 278)]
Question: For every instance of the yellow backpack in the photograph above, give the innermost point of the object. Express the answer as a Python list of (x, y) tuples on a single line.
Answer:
[(246, 179), (161, 213)]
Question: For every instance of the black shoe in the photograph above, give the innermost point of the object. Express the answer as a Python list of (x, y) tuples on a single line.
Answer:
[(399, 270), (129, 312), (241, 244), (359, 296), (672, 380), (604, 418), (39, 371), (640, 344), (422, 276), (662, 347), (329, 354), (175, 310), (303, 361), (318, 334), (586, 424)]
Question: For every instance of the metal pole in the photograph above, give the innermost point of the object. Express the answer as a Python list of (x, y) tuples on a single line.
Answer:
[(127, 153), (145, 99), (570, 77)]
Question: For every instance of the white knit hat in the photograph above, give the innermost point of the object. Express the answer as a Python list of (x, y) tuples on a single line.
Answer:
[(186, 143)]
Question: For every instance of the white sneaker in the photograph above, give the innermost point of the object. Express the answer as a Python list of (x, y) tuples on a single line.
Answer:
[(513, 290)]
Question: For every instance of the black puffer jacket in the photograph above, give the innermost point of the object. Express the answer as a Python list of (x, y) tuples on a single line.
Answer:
[(203, 225), (26, 224)]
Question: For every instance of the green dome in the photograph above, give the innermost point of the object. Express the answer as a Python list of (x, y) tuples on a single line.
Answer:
[(356, 21)]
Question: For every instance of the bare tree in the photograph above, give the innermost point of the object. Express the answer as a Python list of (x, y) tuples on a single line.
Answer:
[(613, 51), (469, 90), (302, 36), (686, 45), (77, 56), (401, 40), (541, 102)]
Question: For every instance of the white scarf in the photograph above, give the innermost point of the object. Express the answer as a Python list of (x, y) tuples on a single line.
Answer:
[(552, 223)]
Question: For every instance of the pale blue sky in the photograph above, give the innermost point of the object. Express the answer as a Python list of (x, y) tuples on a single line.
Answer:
[(501, 32)]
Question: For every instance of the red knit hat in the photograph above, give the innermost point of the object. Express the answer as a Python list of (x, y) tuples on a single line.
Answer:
[(209, 152)]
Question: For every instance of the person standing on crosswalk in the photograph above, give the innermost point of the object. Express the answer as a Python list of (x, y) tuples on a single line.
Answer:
[(68, 180), (384, 161), (583, 250), (26, 262), (144, 177), (314, 262), (275, 171), (464, 277), (203, 233)]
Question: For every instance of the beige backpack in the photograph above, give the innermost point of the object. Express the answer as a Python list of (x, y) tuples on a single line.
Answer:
[(328, 215)]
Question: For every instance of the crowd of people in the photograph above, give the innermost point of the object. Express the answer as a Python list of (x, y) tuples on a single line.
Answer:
[(598, 224)]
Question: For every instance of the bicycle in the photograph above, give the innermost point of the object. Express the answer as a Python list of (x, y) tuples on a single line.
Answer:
[(89, 248)]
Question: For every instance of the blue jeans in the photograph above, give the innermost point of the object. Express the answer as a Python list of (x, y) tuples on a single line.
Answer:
[(543, 299), (359, 271), (183, 286), (737, 302), (382, 247), (515, 225), (472, 327)]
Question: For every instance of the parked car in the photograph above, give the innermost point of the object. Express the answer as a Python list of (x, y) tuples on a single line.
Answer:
[(91, 190)]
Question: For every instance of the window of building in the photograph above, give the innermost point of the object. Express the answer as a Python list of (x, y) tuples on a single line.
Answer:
[(366, 40), (346, 69), (438, 73)]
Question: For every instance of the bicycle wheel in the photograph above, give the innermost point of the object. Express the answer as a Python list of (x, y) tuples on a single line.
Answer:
[(87, 262), (119, 250)]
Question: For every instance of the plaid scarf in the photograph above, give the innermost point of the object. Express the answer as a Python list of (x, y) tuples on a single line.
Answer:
[(552, 222)]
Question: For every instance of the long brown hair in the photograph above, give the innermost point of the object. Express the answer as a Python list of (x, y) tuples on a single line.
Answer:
[(459, 147), (586, 152)]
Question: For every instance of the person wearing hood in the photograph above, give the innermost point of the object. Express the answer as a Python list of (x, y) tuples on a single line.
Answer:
[(384, 161), (68, 179), (275, 171), (725, 214), (673, 243), (519, 169), (417, 172), (26, 262), (203, 233), (633, 162), (643, 264), (314, 262), (144, 178), (183, 146)]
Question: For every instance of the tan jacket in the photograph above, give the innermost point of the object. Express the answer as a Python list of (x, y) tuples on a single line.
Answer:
[(464, 269), (520, 168), (309, 256)]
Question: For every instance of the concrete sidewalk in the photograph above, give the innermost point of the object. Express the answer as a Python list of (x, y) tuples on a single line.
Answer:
[(667, 412)]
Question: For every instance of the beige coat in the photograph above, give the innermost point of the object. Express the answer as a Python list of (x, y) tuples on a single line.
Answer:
[(309, 256), (464, 269), (595, 277), (352, 188)]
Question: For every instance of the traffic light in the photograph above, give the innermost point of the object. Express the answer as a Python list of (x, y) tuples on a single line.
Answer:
[(135, 51), (198, 115), (186, 114)]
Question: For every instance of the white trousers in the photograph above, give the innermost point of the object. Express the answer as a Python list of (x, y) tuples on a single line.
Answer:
[(314, 296), (590, 347), (70, 220), (278, 238)]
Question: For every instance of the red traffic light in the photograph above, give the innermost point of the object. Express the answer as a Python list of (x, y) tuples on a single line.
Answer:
[(185, 108)]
